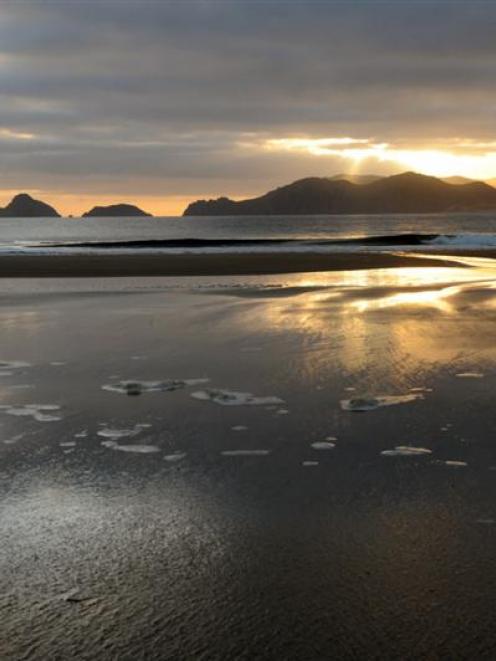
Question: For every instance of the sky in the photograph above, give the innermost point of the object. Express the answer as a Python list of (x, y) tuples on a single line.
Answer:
[(161, 103)]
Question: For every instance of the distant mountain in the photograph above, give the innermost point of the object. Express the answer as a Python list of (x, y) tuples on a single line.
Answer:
[(403, 193), (359, 179), (458, 181), (24, 206), (115, 210)]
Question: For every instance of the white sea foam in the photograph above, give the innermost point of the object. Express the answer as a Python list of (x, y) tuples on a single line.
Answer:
[(109, 432), (362, 404), (14, 439), (460, 240), (239, 428), (81, 434), (138, 449), (455, 464), (406, 451), (245, 453), (323, 445), (13, 364), (234, 398), (138, 387), (35, 411), (470, 375), (176, 456), (68, 444), (309, 463)]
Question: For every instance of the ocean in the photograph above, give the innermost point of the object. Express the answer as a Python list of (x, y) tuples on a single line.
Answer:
[(246, 233)]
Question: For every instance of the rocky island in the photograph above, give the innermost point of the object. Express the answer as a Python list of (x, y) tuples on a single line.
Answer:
[(24, 206), (115, 210)]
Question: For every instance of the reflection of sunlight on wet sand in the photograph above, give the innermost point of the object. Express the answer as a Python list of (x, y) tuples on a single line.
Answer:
[(400, 277), (430, 327), (432, 298), (16, 318)]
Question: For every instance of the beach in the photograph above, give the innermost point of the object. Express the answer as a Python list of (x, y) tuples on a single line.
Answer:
[(249, 466), (202, 263)]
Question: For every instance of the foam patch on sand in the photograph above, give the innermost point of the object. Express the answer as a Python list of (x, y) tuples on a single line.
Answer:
[(406, 451), (176, 456), (470, 375), (138, 387), (109, 432), (239, 428), (138, 449), (245, 453), (362, 404), (309, 463), (81, 434), (36, 411), (233, 398), (323, 445), (455, 464), (68, 444), (13, 364), (14, 439)]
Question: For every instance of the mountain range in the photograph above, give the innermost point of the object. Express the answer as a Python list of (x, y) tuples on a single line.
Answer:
[(365, 194), (339, 194)]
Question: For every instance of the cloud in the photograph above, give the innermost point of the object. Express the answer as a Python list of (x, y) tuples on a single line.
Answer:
[(162, 95)]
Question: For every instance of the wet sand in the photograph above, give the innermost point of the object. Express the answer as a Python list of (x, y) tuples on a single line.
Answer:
[(228, 529), (112, 265)]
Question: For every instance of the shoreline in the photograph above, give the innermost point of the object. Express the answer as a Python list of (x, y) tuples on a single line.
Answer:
[(49, 266)]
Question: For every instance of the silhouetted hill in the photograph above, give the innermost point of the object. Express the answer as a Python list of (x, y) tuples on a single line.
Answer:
[(356, 178), (24, 206), (457, 181), (115, 210), (403, 193)]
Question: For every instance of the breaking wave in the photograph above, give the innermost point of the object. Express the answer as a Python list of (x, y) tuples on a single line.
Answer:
[(386, 242)]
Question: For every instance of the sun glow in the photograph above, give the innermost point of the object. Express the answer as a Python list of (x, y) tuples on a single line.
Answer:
[(476, 160)]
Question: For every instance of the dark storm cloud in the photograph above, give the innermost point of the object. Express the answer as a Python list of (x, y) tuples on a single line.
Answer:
[(166, 90)]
